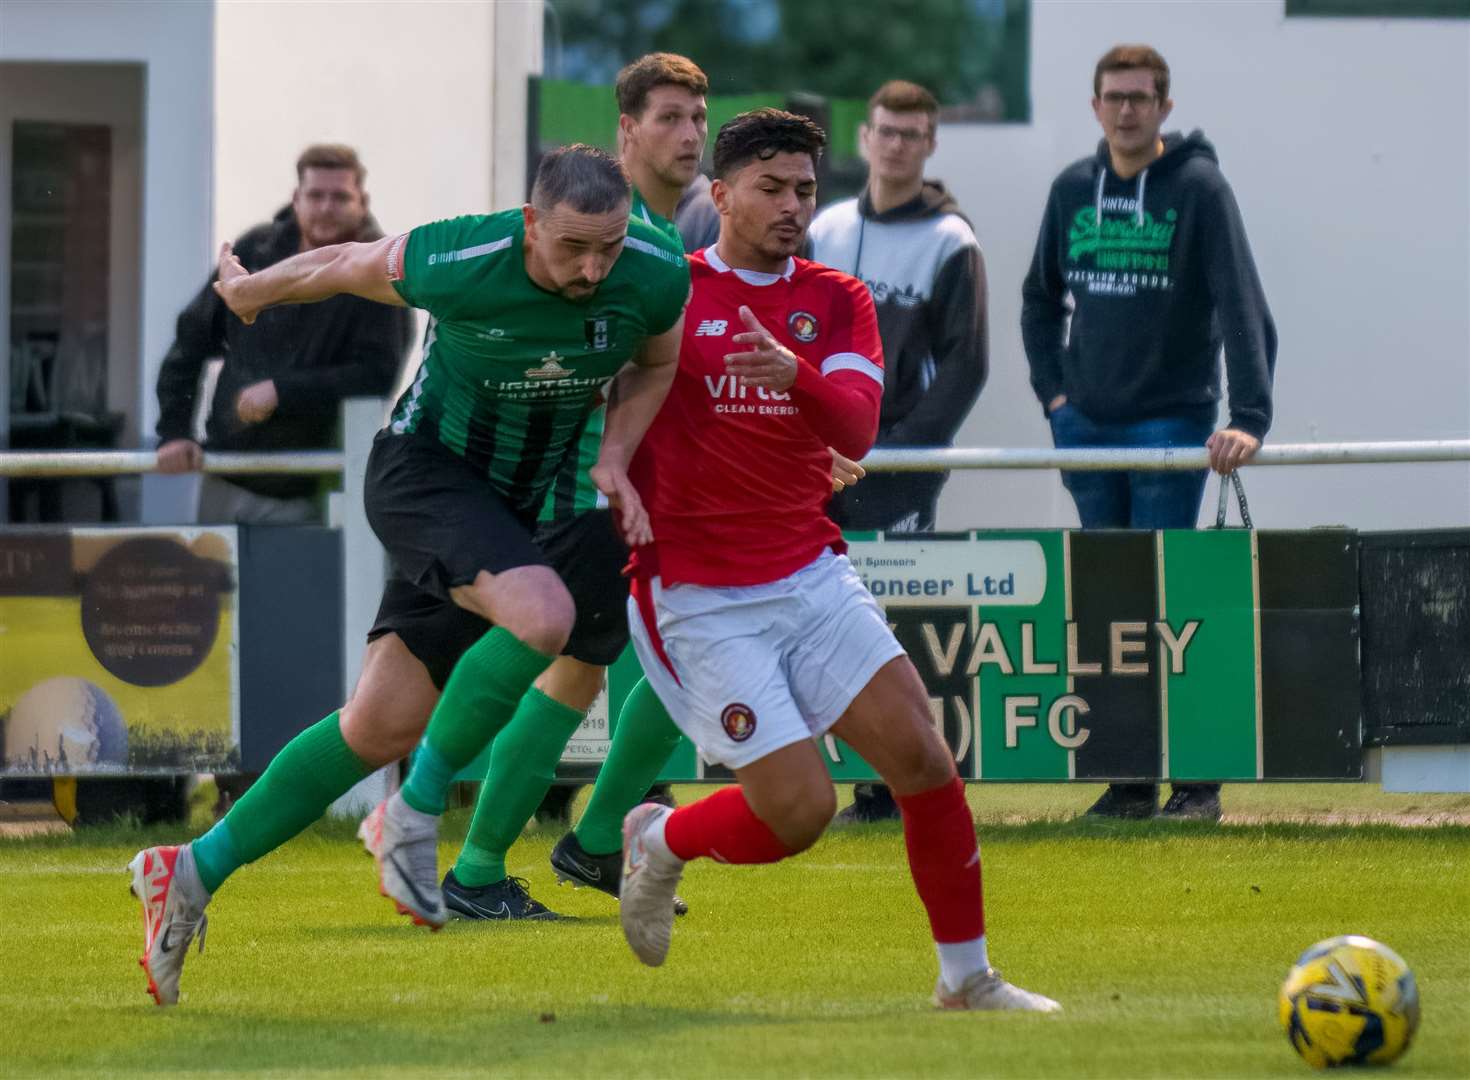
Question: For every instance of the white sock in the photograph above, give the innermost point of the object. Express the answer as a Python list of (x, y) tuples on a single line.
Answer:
[(958, 960), (404, 812), (186, 880), (657, 845)]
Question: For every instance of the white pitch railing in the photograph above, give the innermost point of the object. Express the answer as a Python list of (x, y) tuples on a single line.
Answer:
[(55, 463), (61, 463), (364, 564), (1162, 460)]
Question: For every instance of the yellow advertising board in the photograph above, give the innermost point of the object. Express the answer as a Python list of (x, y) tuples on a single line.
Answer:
[(118, 651)]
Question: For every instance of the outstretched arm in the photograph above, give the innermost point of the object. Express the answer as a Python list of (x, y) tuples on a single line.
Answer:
[(360, 269)]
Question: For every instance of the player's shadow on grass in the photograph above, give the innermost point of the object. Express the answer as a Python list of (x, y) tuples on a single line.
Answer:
[(348, 931)]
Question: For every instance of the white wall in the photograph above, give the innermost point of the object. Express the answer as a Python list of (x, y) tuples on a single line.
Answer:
[(173, 41), (1347, 142), (407, 84), (430, 93)]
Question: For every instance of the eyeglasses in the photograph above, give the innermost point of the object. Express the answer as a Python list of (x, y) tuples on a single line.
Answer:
[(907, 136), (1139, 99)]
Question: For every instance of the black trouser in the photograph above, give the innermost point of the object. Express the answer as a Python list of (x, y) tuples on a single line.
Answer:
[(890, 502)]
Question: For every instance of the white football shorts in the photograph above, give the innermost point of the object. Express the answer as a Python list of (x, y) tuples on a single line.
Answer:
[(745, 670)]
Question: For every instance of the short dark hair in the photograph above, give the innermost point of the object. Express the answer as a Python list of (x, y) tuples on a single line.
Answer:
[(330, 156), (762, 134), (589, 180), (645, 74), (899, 96), (1128, 58)]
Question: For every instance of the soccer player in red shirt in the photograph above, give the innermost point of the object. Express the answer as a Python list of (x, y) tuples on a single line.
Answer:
[(749, 621)]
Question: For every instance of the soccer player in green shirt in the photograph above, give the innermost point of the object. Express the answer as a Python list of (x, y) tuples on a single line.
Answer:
[(662, 129), (661, 135), (534, 312)]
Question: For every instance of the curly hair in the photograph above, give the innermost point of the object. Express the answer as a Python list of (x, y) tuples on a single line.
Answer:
[(761, 134)]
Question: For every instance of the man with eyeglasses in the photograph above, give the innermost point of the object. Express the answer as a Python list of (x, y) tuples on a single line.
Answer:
[(906, 240), (1142, 247)]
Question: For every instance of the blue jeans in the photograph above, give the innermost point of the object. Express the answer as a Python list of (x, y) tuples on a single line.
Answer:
[(1133, 500)]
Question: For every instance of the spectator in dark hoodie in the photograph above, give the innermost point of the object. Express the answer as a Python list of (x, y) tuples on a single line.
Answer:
[(905, 238), (284, 375), (1143, 247)]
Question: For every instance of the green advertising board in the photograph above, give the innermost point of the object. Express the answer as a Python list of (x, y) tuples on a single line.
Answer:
[(1068, 655)]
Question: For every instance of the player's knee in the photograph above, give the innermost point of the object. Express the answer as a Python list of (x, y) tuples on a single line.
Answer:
[(821, 805), (545, 624), (804, 816), (546, 632), (376, 735), (923, 764)]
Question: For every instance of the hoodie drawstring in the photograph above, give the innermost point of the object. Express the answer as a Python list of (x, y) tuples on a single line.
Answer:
[(1102, 175)]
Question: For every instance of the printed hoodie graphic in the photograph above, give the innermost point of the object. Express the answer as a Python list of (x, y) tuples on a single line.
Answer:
[(1156, 275)]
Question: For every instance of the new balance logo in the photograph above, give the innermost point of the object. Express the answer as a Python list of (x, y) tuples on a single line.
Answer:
[(711, 328)]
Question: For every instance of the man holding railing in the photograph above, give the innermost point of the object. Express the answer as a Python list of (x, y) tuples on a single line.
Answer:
[(284, 375), (1143, 249)]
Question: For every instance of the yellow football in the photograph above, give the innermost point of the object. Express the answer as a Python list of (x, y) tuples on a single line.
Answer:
[(1349, 1000)]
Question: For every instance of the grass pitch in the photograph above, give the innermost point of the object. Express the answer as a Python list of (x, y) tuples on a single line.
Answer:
[(1165, 942)]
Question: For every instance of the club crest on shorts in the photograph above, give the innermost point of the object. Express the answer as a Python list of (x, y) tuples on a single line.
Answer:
[(599, 331), (738, 721), (803, 326)]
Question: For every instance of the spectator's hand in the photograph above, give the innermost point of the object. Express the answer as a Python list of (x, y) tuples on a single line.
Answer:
[(845, 471), (767, 364), (622, 497), (232, 276), (180, 456), (1231, 448), (257, 402), (1055, 403)]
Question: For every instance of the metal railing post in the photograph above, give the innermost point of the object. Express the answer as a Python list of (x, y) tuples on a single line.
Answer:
[(364, 572)]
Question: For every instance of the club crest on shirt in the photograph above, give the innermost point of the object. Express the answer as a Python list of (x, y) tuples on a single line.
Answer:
[(738, 721), (803, 326), (550, 368), (599, 331)]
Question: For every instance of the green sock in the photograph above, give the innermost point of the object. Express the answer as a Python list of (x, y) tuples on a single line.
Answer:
[(523, 762), (311, 771), (481, 696), (641, 745)]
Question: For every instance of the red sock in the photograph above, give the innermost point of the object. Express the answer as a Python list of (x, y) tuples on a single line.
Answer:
[(944, 859), (723, 827)]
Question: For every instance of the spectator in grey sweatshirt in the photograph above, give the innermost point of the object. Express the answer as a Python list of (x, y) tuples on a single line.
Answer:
[(906, 240)]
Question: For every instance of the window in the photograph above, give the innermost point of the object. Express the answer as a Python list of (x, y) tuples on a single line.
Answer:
[(1382, 9)]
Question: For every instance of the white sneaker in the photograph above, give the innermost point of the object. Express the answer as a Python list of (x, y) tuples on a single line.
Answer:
[(987, 990), (405, 844), (166, 882), (646, 903)]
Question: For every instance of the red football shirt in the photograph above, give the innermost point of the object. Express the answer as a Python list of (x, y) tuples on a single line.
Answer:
[(737, 479)]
